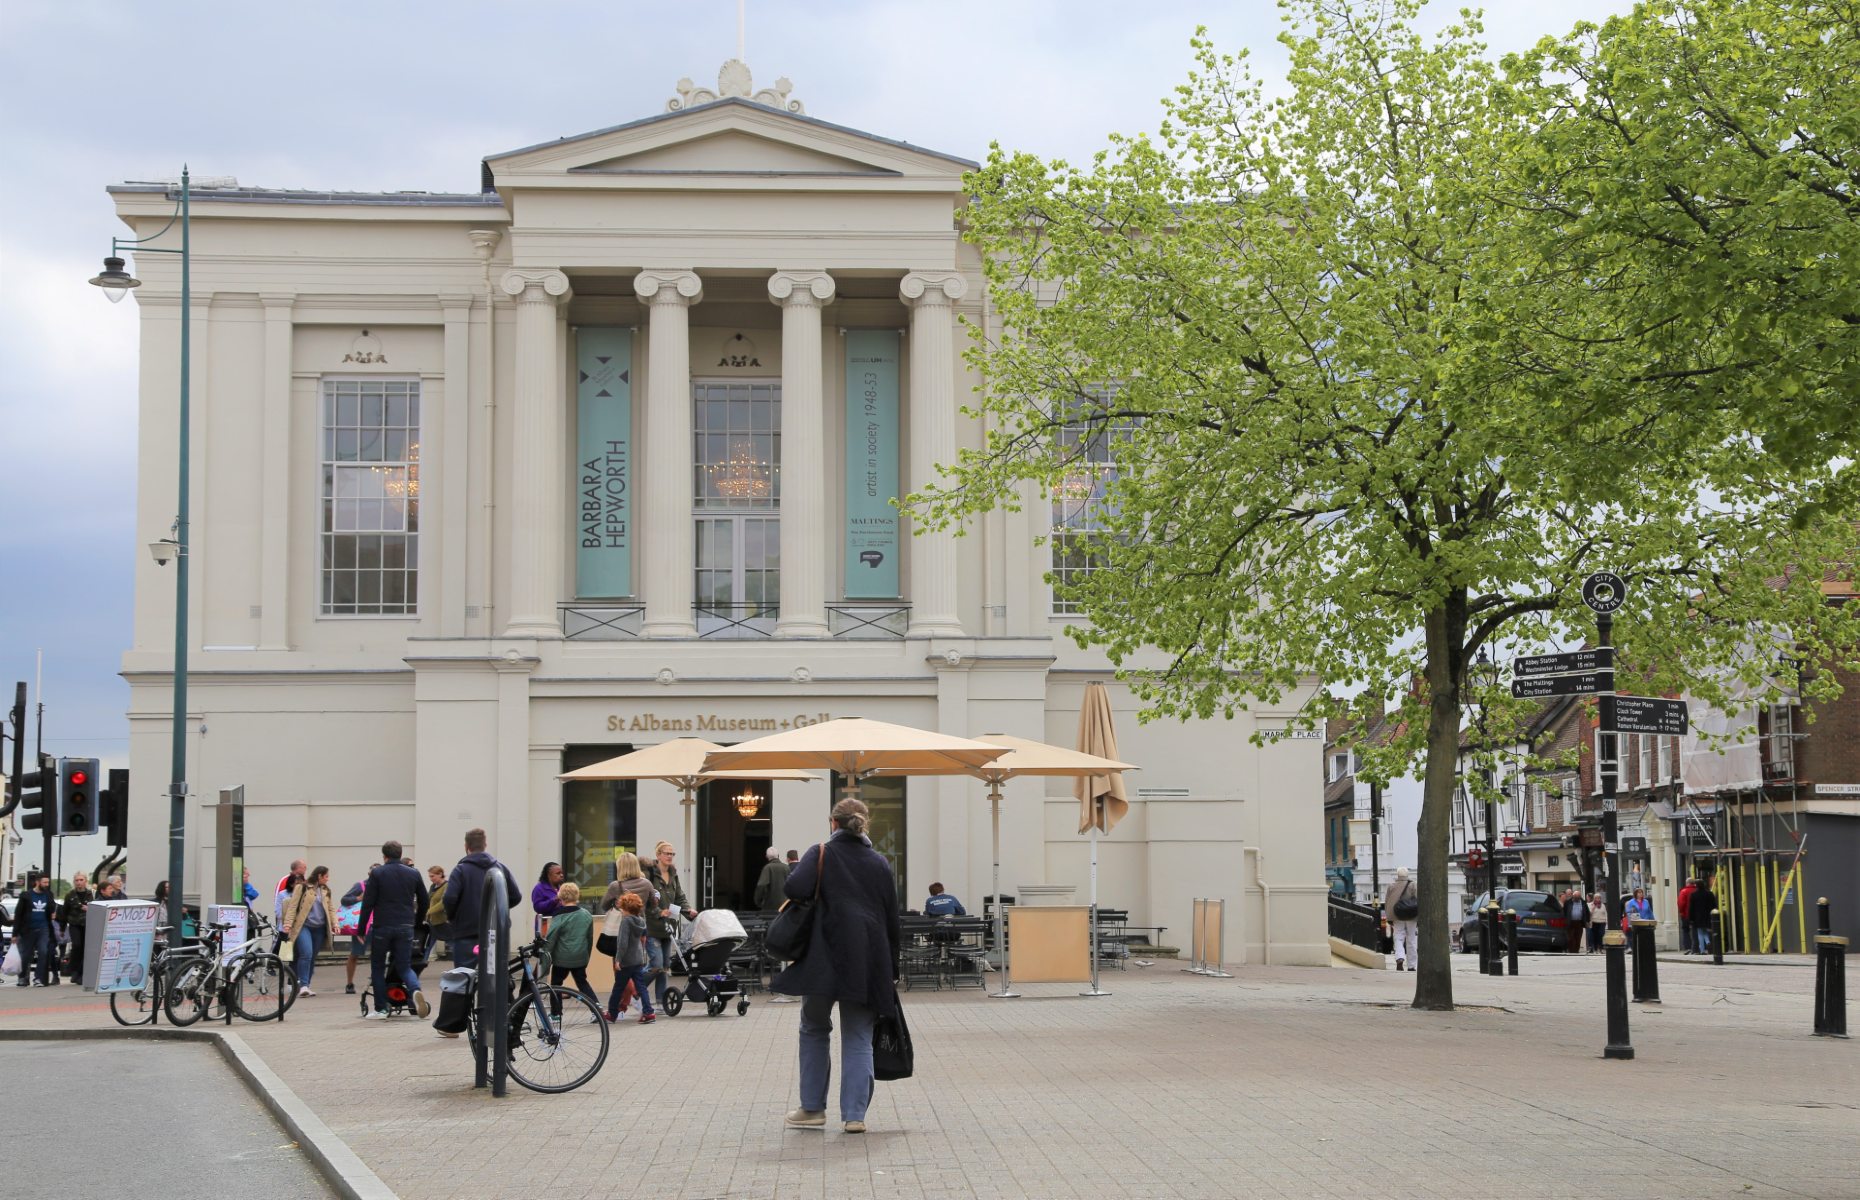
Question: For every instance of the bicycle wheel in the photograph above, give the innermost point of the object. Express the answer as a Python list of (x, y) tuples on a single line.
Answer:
[(262, 989), (189, 995), (556, 1054), (133, 1008)]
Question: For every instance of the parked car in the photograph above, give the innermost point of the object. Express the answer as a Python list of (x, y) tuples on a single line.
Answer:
[(1541, 923)]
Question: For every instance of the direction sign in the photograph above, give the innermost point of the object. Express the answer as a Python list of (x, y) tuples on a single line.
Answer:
[(1602, 658), (1604, 591), (1650, 714), (1586, 684), (1511, 866)]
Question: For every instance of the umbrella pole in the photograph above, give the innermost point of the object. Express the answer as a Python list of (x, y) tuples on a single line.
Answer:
[(690, 790), (1096, 816), (1007, 991)]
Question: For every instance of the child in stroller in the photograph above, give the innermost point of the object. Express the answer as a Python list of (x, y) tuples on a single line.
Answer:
[(715, 935)]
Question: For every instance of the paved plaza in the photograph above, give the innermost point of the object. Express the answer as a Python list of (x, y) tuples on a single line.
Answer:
[(1279, 1082)]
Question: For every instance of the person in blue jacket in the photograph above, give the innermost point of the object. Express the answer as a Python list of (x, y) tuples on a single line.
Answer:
[(942, 904)]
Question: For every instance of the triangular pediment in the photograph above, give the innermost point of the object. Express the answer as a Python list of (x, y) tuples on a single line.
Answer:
[(735, 151), (727, 138)]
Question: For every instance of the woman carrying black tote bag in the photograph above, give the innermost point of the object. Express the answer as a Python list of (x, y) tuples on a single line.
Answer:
[(851, 961)]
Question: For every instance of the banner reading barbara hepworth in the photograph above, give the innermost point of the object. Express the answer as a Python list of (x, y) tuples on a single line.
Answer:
[(871, 534), (604, 462)]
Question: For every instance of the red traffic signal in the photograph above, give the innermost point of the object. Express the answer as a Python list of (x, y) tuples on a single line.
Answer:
[(80, 778)]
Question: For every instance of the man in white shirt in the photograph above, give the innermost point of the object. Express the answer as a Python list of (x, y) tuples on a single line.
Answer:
[(1406, 928)]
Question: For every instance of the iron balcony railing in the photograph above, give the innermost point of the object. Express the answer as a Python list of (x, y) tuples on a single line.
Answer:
[(603, 621)]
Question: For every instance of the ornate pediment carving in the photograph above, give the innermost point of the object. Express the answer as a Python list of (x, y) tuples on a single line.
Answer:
[(734, 80)]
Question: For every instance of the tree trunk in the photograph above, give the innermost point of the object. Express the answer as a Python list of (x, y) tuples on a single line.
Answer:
[(1446, 636)]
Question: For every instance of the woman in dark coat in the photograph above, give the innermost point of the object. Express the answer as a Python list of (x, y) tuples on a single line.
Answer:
[(851, 960)]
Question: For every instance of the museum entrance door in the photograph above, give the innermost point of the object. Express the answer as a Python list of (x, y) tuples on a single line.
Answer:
[(735, 823)]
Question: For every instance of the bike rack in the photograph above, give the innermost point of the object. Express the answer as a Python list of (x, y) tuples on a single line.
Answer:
[(493, 998)]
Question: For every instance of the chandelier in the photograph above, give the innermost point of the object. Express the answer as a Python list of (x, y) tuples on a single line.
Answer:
[(742, 476), (748, 804)]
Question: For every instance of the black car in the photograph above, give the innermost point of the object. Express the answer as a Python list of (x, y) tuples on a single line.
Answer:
[(1541, 923)]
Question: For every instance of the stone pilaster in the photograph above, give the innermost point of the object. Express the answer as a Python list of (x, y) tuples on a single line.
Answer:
[(931, 297), (535, 456), (276, 546), (801, 295), (668, 544)]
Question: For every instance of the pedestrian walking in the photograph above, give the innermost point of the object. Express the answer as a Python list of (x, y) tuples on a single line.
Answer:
[(1704, 907), (308, 918), (436, 930), (1576, 911), (71, 916), (545, 896), (1598, 921), (392, 904), (464, 895), (768, 884), (631, 961), (1639, 908), (851, 960), (358, 939), (1688, 942), (1401, 908), (571, 944), (662, 916), (32, 930)]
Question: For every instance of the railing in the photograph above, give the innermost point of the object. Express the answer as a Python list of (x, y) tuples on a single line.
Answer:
[(1355, 923), (868, 622), (735, 621), (601, 622)]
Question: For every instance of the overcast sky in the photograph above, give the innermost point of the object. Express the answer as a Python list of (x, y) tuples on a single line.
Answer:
[(411, 95)]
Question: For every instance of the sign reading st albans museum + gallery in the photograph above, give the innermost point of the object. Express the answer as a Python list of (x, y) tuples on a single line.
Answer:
[(648, 722), (871, 536), (604, 462)]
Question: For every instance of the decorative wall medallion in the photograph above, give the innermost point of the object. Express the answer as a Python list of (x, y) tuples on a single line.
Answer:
[(738, 351), (366, 349)]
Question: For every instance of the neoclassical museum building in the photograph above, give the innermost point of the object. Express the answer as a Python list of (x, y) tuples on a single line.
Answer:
[(489, 487)]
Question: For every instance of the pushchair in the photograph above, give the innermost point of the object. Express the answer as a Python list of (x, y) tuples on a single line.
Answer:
[(715, 936), (399, 999)]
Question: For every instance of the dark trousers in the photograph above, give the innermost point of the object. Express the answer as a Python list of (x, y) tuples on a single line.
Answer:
[(35, 954), (74, 960), (558, 974), (640, 978), (464, 947), (395, 944)]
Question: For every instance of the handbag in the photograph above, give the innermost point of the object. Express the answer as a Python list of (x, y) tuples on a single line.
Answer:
[(608, 942), (349, 919), (1407, 908), (793, 927), (893, 1056)]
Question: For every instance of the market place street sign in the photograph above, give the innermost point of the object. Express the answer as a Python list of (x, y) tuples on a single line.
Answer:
[(1650, 714)]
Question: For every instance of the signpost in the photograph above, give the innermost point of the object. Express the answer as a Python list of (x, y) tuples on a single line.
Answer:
[(1650, 714), (1588, 683), (1603, 592), (1572, 662)]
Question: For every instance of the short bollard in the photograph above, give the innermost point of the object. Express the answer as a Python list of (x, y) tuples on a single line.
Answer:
[(1614, 946), (1511, 943), (1646, 963), (1830, 978), (1493, 937), (1717, 937)]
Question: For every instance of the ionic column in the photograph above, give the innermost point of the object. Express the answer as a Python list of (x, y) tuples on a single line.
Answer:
[(931, 296), (668, 545), (535, 455), (803, 466)]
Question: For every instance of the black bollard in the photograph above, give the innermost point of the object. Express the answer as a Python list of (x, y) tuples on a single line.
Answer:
[(1614, 945), (1830, 979), (1511, 943), (1493, 937), (1823, 922), (1717, 937), (1646, 963)]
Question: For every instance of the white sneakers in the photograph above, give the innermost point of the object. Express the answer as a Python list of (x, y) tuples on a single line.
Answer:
[(420, 1005), (374, 1015)]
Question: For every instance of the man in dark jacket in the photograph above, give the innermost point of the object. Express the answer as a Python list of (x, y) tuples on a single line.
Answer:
[(464, 888), (395, 901), (768, 885), (71, 916), (1704, 905), (32, 929)]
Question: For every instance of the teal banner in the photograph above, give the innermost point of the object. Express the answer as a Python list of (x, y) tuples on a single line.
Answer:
[(871, 535), (604, 445)]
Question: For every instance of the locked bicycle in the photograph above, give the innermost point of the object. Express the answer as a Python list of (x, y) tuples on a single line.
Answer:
[(247, 981), (558, 1038)]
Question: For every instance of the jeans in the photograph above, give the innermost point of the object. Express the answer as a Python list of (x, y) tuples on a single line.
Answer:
[(1703, 932), (639, 977), (1595, 936), (397, 943), (303, 955), (465, 950), (35, 945), (658, 953), (855, 1055)]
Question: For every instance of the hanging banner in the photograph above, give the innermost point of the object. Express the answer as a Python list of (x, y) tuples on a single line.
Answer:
[(871, 534), (604, 457)]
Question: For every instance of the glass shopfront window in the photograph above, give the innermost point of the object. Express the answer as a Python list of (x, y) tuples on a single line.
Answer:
[(599, 819), (885, 797)]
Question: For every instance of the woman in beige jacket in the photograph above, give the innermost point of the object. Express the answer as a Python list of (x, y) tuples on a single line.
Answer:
[(309, 914)]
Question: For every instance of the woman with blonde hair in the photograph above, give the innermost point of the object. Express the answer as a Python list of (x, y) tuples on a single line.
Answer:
[(662, 914)]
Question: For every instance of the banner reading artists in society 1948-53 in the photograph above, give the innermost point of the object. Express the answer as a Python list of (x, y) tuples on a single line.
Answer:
[(603, 462), (870, 538)]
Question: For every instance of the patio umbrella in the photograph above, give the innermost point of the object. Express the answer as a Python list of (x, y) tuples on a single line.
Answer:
[(679, 762), (856, 748), (1024, 758), (1101, 797)]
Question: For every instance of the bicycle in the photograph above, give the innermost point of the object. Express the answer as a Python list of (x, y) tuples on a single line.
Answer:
[(140, 1006), (558, 1037), (252, 984)]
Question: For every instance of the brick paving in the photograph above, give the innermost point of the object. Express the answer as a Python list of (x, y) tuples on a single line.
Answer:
[(1280, 1082)]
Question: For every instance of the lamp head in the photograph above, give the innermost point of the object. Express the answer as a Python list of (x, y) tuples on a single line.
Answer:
[(114, 281)]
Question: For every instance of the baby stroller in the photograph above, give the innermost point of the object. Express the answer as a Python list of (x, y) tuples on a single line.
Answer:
[(399, 999), (715, 935)]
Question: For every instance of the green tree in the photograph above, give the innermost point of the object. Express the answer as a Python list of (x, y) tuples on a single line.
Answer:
[(1304, 328)]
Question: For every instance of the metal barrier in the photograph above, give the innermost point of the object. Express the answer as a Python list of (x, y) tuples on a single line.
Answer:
[(1355, 923), (1206, 926), (493, 1040)]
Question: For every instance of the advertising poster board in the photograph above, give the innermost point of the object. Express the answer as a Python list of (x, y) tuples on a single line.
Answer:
[(234, 915), (119, 941)]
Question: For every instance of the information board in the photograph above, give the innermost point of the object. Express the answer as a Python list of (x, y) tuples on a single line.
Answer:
[(119, 941)]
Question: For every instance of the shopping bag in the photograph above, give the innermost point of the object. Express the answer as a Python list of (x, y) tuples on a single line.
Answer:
[(10, 965), (893, 1056), (287, 949)]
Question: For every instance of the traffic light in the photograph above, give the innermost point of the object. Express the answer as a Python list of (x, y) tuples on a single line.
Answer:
[(38, 796), (113, 808), (78, 788)]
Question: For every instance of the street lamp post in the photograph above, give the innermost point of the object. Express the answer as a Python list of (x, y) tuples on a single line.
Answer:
[(1485, 675), (116, 282)]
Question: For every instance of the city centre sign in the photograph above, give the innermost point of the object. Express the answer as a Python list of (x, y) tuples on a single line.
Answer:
[(709, 723)]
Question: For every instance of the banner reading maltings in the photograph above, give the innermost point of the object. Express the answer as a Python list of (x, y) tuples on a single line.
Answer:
[(871, 534)]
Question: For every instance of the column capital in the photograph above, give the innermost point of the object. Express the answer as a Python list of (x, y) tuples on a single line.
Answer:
[(550, 282), (668, 287), (800, 288), (275, 302), (932, 288)]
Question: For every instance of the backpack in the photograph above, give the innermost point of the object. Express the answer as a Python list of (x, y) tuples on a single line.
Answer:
[(1407, 907)]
